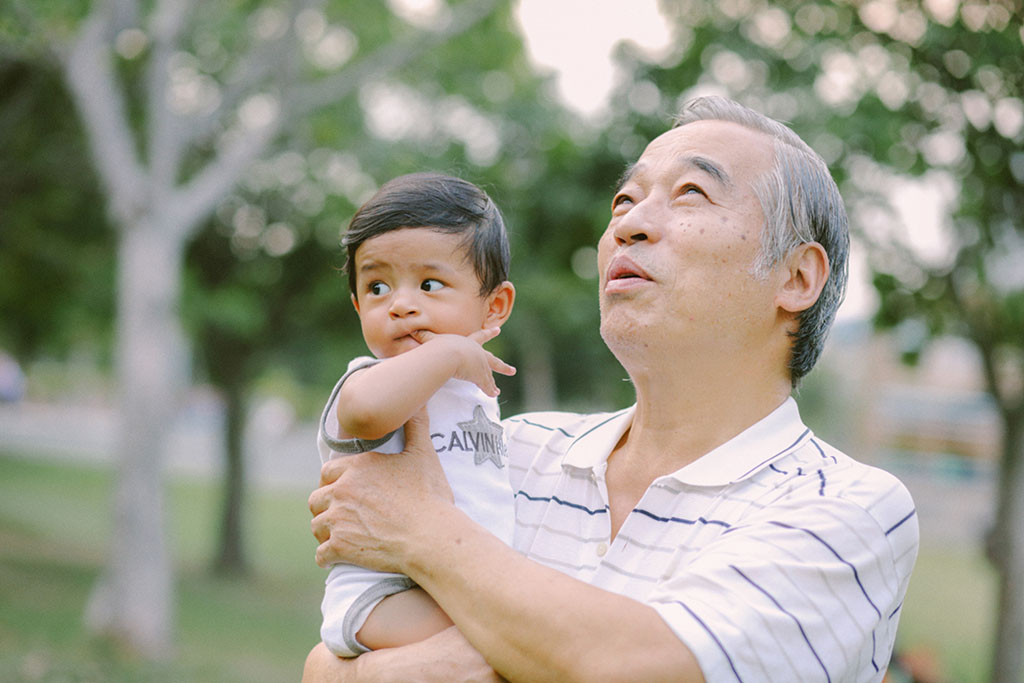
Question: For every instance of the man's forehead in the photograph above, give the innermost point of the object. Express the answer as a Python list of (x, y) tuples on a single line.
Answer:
[(684, 161), (721, 149)]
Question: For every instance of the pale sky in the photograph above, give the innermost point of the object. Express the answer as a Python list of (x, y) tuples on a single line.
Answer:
[(575, 38)]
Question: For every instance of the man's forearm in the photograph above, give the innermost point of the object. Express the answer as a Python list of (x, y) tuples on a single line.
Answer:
[(533, 623)]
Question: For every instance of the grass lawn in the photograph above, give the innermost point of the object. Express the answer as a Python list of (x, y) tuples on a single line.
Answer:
[(54, 525), (949, 613), (54, 522)]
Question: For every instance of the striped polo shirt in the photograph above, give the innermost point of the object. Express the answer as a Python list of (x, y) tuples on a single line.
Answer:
[(774, 557)]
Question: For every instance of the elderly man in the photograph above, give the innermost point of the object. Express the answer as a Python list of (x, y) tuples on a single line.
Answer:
[(702, 534)]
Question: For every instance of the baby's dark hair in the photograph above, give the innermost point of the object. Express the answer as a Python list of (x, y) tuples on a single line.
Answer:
[(440, 202)]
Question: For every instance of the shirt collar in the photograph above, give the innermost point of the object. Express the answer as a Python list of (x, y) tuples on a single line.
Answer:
[(739, 458), (592, 448)]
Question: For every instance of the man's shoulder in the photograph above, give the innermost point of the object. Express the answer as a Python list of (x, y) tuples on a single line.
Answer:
[(832, 475), (852, 477)]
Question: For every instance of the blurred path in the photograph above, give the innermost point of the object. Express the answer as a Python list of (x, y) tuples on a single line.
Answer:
[(281, 452), (954, 498)]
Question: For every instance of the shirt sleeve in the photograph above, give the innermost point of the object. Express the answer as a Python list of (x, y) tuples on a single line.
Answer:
[(794, 594)]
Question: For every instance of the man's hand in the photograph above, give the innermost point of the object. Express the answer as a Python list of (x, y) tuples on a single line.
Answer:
[(366, 509), (475, 363)]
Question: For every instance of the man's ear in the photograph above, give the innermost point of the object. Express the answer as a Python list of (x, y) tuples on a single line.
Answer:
[(499, 304), (805, 273), (355, 302)]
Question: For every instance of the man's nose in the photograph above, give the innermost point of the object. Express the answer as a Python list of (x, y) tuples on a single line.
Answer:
[(639, 224)]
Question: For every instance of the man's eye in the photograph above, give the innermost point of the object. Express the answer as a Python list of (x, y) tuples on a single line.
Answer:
[(378, 288), (621, 199), (431, 285), (691, 189)]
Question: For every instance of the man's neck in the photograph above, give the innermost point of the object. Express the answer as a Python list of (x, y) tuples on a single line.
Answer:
[(684, 411), (679, 419)]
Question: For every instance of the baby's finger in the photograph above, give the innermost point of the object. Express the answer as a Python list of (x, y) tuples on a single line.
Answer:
[(490, 387), (422, 336), (485, 335), (501, 367)]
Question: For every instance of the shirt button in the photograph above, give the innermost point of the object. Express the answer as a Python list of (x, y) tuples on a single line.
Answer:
[(602, 548)]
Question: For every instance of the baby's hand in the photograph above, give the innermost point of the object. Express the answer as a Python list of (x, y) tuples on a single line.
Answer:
[(475, 363)]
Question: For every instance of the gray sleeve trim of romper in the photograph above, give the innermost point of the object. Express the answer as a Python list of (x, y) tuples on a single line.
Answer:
[(348, 446), (372, 595)]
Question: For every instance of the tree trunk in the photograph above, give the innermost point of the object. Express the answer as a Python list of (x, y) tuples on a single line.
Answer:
[(1007, 553), (231, 559), (132, 602)]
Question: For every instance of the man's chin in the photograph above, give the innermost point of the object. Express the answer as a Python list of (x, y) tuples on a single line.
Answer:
[(621, 333)]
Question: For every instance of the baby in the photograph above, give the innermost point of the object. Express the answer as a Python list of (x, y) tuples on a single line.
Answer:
[(428, 260)]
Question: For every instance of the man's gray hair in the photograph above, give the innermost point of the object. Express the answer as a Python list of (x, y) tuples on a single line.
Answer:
[(801, 204)]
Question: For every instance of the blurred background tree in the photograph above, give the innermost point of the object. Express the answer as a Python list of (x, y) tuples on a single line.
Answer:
[(951, 100), (322, 101)]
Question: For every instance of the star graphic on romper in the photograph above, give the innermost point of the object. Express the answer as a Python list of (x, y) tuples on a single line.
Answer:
[(488, 444)]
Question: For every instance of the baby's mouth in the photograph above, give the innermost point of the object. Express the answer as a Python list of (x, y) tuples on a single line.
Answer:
[(416, 335)]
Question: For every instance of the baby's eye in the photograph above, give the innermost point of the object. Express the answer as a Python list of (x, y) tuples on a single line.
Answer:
[(378, 288), (431, 285)]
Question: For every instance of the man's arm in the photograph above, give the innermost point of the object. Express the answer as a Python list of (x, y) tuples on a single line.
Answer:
[(379, 399), (530, 622), (534, 623)]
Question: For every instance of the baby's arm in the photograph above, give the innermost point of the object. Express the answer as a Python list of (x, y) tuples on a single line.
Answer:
[(401, 619), (379, 399)]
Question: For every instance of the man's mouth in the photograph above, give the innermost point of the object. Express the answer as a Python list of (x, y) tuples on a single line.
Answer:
[(623, 269)]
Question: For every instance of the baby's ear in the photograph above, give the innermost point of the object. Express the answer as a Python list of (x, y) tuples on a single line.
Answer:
[(355, 302), (499, 304)]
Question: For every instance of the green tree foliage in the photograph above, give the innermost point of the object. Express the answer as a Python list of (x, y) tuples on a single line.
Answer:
[(55, 250), (963, 122)]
